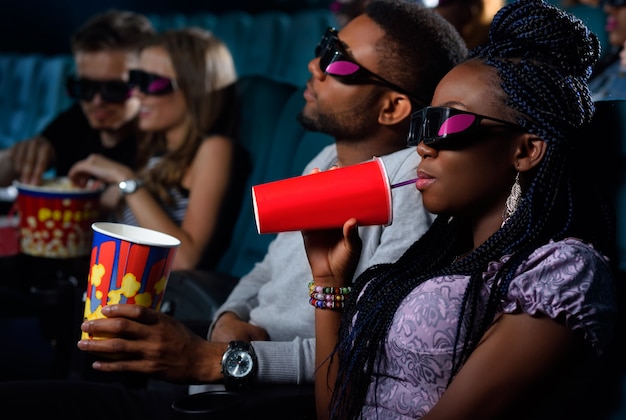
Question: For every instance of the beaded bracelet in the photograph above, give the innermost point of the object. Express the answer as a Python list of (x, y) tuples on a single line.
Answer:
[(326, 304), (327, 297), (328, 289)]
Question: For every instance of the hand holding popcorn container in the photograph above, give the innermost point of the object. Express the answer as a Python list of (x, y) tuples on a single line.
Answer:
[(129, 264), (55, 218)]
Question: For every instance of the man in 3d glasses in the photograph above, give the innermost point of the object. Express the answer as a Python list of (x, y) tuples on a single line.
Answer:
[(366, 80), (103, 120)]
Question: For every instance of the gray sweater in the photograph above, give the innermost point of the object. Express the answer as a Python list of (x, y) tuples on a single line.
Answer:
[(274, 295)]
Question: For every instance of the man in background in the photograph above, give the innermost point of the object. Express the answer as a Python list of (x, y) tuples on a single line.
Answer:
[(104, 118)]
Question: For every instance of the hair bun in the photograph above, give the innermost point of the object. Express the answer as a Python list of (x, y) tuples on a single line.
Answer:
[(544, 56), (540, 32)]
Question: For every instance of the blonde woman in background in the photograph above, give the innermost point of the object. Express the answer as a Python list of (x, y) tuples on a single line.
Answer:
[(190, 179)]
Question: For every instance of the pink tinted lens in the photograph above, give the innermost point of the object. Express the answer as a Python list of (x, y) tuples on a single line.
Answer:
[(456, 124), (158, 85), (342, 68)]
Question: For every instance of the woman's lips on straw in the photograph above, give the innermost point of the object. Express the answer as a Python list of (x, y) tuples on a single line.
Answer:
[(423, 180)]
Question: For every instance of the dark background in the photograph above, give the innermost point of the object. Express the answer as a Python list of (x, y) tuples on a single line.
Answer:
[(45, 26)]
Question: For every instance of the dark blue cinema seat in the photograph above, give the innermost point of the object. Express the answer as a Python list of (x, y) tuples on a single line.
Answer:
[(271, 43), (32, 92), (289, 149)]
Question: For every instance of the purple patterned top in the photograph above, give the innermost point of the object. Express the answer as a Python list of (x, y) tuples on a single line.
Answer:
[(567, 280)]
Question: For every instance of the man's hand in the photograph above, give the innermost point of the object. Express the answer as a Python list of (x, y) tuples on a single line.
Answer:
[(147, 341), (229, 327), (31, 158)]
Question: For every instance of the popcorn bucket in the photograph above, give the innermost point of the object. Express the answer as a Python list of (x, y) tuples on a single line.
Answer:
[(129, 264), (55, 218)]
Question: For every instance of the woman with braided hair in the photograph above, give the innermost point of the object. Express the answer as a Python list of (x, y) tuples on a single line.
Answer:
[(509, 295)]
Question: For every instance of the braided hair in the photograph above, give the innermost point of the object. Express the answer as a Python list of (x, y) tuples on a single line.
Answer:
[(543, 57)]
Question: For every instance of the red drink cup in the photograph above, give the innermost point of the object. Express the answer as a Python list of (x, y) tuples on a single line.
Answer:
[(325, 200)]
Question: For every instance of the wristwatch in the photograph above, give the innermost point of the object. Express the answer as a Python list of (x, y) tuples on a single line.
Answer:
[(239, 365), (129, 186)]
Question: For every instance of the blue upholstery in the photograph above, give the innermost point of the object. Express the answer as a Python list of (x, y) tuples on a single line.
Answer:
[(264, 42), (32, 91), (306, 31), (271, 43), (279, 147)]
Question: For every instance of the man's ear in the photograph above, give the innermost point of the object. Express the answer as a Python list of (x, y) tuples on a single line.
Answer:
[(529, 152), (396, 107)]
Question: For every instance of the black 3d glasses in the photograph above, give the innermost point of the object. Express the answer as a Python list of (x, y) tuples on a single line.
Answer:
[(335, 61), (82, 89), (436, 126), (150, 83)]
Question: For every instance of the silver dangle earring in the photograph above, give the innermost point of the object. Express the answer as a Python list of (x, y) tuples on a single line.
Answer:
[(512, 200)]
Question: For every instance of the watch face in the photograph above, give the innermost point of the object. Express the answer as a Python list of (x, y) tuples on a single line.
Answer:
[(128, 186), (238, 363)]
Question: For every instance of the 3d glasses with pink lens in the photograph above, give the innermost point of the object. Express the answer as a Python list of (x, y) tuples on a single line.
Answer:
[(336, 62), (150, 83), (438, 126)]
